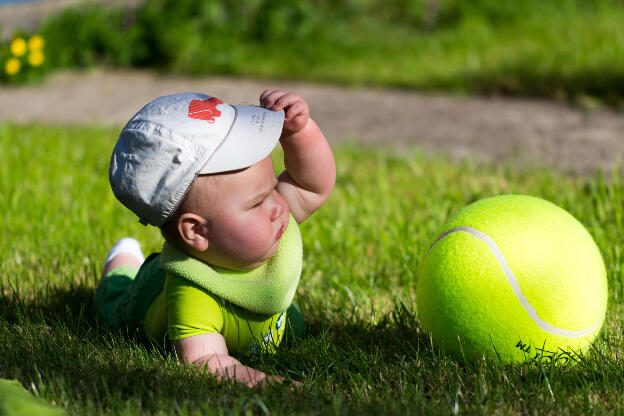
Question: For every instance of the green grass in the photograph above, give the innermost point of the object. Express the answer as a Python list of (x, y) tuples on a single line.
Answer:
[(363, 352)]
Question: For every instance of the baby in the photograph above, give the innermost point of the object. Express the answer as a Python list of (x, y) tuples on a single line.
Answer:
[(201, 171)]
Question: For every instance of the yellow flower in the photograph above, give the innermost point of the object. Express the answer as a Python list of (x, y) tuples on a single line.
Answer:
[(18, 47), (36, 43), (35, 58), (12, 66)]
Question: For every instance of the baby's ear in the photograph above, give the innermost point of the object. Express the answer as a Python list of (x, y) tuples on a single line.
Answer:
[(194, 230)]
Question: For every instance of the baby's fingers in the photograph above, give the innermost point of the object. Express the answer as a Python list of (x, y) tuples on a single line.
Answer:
[(294, 110), (296, 385), (269, 97), (288, 101), (291, 384)]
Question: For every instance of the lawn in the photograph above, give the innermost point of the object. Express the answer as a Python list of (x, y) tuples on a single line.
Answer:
[(363, 352)]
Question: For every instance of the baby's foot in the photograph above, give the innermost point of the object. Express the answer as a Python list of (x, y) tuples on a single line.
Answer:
[(126, 245)]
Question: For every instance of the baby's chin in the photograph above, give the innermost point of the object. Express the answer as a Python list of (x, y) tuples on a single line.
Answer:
[(272, 251), (265, 258), (244, 266), (247, 267)]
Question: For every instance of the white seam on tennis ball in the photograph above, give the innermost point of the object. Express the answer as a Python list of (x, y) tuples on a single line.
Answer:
[(514, 283)]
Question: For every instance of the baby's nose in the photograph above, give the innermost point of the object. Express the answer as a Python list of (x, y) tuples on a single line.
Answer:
[(276, 211)]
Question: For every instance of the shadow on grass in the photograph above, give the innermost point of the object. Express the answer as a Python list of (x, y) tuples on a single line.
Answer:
[(72, 307), (57, 332), (54, 340), (338, 347), (396, 345), (69, 309), (72, 304)]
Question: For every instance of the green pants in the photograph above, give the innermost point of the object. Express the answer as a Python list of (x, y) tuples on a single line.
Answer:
[(125, 293)]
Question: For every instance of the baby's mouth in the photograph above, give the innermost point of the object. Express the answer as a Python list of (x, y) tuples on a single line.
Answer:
[(279, 233)]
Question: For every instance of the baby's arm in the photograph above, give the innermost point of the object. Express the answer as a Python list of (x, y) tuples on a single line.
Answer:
[(310, 168), (211, 351)]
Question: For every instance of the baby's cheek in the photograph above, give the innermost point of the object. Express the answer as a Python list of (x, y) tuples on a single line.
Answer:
[(257, 237)]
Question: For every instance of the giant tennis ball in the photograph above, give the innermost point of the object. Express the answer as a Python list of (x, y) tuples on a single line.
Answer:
[(513, 277)]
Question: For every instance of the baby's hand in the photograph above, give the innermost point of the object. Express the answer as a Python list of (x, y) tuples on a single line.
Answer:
[(291, 384), (296, 109)]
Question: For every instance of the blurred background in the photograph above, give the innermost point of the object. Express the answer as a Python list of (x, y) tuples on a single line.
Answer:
[(543, 79), (563, 49)]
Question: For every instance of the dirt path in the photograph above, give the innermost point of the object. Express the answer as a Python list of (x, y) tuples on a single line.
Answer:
[(488, 129)]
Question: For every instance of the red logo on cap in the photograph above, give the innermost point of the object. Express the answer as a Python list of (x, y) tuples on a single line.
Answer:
[(205, 110)]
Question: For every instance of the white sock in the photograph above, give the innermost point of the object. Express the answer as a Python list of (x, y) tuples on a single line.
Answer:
[(126, 245)]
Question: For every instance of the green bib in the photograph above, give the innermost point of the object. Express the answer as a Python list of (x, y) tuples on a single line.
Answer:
[(268, 289)]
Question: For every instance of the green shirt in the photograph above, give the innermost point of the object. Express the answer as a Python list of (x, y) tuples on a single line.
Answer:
[(184, 309)]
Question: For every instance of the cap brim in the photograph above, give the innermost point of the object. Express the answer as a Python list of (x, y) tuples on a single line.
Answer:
[(251, 138)]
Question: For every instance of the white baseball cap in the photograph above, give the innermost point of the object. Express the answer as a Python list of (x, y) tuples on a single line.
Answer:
[(177, 137)]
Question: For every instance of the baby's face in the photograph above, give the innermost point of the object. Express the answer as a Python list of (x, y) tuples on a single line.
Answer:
[(247, 217)]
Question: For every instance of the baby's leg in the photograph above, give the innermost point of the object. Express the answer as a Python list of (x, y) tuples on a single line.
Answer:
[(127, 252), (120, 269)]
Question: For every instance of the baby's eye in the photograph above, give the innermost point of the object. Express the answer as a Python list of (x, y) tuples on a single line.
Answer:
[(260, 202)]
